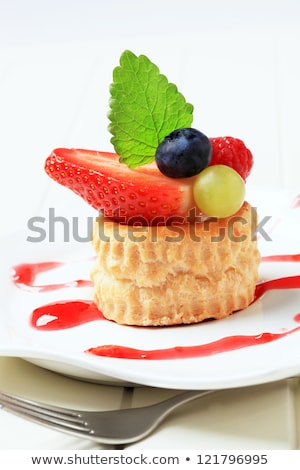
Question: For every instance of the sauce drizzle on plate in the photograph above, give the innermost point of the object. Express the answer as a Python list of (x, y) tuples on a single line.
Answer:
[(71, 313)]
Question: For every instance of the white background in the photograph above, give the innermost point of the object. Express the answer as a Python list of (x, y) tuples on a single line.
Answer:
[(237, 61)]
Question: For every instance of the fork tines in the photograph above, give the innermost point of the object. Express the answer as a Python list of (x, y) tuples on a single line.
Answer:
[(70, 419)]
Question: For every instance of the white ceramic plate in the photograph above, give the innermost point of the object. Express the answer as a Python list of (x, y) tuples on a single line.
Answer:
[(63, 350)]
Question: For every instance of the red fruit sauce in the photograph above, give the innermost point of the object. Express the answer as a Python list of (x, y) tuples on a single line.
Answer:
[(296, 202), (24, 276), (226, 344), (71, 313)]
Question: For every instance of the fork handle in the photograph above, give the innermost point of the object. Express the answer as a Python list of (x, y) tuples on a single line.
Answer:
[(180, 399)]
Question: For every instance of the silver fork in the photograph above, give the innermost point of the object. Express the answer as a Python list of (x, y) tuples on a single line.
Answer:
[(109, 427)]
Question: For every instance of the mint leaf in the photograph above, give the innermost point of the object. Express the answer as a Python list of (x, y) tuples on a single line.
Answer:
[(144, 109)]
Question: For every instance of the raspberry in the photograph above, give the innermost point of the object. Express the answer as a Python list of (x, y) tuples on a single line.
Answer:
[(231, 152)]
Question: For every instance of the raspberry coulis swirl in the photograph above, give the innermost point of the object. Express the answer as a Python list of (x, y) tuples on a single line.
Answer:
[(72, 313)]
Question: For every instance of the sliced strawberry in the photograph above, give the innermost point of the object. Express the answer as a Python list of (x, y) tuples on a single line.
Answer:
[(124, 194)]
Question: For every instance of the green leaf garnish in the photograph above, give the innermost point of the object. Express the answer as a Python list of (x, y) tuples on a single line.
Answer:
[(144, 109)]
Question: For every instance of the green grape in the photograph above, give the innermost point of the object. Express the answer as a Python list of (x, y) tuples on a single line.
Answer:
[(219, 191)]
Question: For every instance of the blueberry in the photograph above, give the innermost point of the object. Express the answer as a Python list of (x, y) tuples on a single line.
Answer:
[(183, 153)]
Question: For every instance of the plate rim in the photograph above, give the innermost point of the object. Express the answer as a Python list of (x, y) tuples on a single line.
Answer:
[(93, 365)]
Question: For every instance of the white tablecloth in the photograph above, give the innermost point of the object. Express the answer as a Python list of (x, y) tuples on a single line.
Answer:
[(240, 68)]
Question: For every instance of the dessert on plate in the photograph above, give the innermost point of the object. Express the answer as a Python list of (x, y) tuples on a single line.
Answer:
[(175, 238)]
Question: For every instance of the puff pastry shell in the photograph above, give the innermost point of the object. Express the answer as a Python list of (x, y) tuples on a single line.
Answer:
[(171, 275)]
